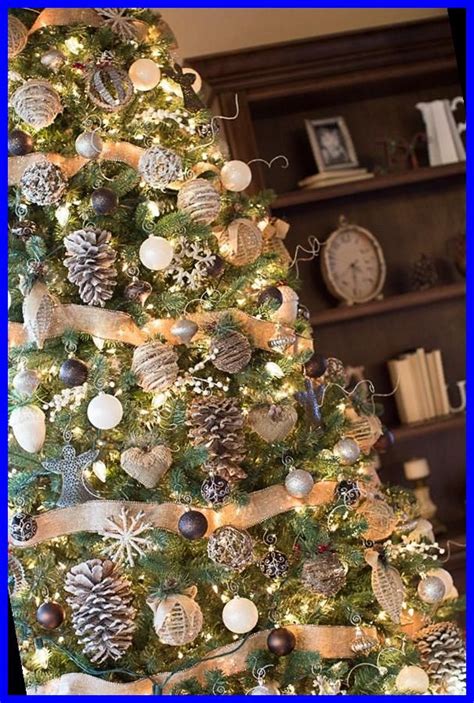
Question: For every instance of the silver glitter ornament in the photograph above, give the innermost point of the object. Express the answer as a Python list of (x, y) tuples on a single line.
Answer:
[(71, 467), (184, 330), (53, 59), (299, 483), (89, 145), (431, 590), (159, 167), (42, 183), (230, 547), (23, 527), (347, 451), (26, 382)]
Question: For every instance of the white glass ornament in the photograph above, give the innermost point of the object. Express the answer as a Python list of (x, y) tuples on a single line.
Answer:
[(29, 427), (412, 679), (145, 74), (240, 615), (156, 253), (197, 85), (445, 577), (265, 689), (26, 382), (105, 411), (89, 145), (236, 176), (299, 483)]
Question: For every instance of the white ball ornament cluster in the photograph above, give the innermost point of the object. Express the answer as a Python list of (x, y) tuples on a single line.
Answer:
[(240, 615), (412, 679), (145, 74), (156, 253), (105, 411), (236, 176)]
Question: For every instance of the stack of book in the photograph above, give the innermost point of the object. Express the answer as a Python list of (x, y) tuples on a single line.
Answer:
[(421, 387), (333, 178)]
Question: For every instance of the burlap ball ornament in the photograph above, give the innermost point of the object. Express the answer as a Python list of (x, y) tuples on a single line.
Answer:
[(241, 242), (155, 365), (17, 36), (42, 183), (200, 200), (177, 617), (364, 429), (37, 103)]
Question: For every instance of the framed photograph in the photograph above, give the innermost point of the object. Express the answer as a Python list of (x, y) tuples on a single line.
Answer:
[(331, 144)]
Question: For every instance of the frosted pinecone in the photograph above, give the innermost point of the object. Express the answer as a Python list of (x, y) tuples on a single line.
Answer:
[(102, 614), (217, 424), (443, 656), (91, 264)]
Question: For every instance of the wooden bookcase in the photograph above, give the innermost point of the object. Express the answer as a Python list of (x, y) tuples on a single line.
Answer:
[(373, 78)]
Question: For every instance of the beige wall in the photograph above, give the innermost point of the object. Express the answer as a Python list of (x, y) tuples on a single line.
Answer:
[(208, 31)]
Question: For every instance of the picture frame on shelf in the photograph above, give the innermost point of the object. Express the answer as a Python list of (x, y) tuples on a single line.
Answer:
[(331, 143)]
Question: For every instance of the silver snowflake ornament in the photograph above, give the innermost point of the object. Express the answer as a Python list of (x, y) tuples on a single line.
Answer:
[(116, 19), (190, 265), (71, 467), (124, 531)]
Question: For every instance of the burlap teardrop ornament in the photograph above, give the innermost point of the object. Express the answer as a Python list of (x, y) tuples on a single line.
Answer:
[(272, 422), (147, 466), (386, 585)]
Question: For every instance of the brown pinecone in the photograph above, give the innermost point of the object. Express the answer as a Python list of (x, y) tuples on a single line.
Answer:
[(90, 261), (232, 352), (424, 274), (217, 424), (155, 365), (324, 574), (102, 614), (443, 656)]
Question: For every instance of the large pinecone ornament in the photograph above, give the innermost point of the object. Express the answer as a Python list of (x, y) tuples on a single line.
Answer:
[(443, 656), (155, 365), (217, 424), (90, 261), (102, 614)]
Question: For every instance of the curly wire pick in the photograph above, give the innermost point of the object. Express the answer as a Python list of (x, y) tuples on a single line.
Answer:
[(270, 163), (448, 550), (214, 121), (313, 251)]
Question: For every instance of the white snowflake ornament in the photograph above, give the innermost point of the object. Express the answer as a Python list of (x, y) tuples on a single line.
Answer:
[(124, 531)]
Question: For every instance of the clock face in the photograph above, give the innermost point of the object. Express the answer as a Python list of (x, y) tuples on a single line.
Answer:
[(353, 264)]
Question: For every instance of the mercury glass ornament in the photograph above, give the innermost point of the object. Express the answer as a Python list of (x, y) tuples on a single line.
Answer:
[(192, 524), (347, 451), (431, 589), (50, 615), (89, 145), (184, 330), (236, 176), (299, 483), (19, 143)]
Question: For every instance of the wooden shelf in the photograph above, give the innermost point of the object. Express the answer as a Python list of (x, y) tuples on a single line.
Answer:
[(435, 426), (388, 305), (391, 180)]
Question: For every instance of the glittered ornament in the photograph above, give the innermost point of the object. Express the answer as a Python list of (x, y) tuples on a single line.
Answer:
[(73, 372), (37, 103), (232, 352), (281, 641), (177, 617), (192, 524), (50, 615), (431, 590), (199, 200), (231, 548), (241, 242), (104, 411), (272, 422), (23, 527), (147, 465), (19, 143), (145, 74), (25, 382), (240, 615), (348, 492), (316, 366), (109, 86), (215, 489), (89, 145), (184, 330), (236, 176), (28, 423), (324, 574), (17, 36), (347, 451), (159, 167), (24, 229), (53, 59), (138, 291), (42, 183), (155, 365), (274, 565), (104, 201), (71, 466), (299, 483), (156, 253)]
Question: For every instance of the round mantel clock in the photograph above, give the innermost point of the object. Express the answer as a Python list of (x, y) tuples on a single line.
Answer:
[(353, 264)]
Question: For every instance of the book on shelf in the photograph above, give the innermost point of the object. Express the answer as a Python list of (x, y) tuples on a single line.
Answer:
[(332, 178), (421, 392)]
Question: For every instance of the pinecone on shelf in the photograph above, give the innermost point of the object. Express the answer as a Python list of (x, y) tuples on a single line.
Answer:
[(90, 262), (217, 424), (424, 274), (102, 614), (443, 656)]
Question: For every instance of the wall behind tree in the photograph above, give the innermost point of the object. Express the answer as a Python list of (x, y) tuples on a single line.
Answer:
[(208, 31)]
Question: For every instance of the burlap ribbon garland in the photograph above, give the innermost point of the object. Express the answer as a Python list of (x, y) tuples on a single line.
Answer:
[(262, 505), (330, 642)]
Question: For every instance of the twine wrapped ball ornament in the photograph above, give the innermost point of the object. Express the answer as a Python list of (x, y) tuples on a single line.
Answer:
[(232, 352), (109, 87), (159, 167), (199, 200), (365, 430), (17, 36), (42, 183), (37, 103), (324, 574), (231, 548), (147, 465), (241, 242), (155, 365), (177, 617)]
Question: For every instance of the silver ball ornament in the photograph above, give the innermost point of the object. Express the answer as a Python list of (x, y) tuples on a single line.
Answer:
[(431, 589), (347, 451), (299, 483), (265, 689), (184, 330), (89, 145), (26, 382)]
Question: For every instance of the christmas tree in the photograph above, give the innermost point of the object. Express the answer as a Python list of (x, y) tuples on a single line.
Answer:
[(195, 506)]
